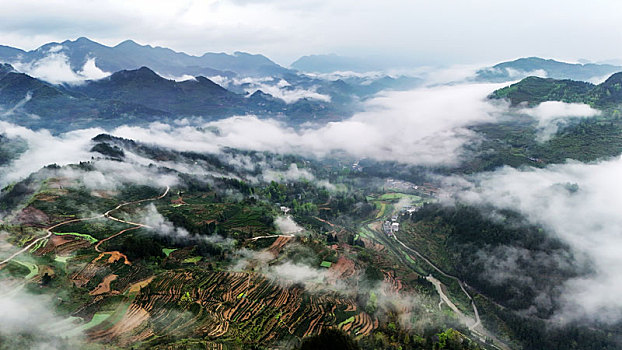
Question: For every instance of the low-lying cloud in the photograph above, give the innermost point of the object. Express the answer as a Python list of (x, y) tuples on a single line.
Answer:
[(280, 88), (43, 149), (286, 225), (552, 115), (426, 126), (578, 203), (158, 224), (55, 68), (29, 322), (292, 174), (113, 175)]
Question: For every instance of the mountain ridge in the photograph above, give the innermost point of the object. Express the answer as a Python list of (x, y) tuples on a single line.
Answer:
[(526, 66), (130, 55)]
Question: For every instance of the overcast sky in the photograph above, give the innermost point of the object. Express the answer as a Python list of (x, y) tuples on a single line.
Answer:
[(421, 32)]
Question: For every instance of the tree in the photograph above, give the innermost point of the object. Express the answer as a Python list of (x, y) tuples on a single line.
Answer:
[(330, 339)]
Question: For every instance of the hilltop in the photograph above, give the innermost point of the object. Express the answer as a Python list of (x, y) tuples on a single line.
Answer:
[(534, 90)]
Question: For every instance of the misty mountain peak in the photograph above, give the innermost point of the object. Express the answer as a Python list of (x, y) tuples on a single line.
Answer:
[(84, 40), (140, 73), (128, 44)]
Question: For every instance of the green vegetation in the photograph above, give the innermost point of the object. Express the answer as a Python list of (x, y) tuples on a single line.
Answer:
[(222, 287), (192, 260), (84, 236), (97, 319), (533, 90), (397, 196), (168, 251), (32, 268), (329, 339)]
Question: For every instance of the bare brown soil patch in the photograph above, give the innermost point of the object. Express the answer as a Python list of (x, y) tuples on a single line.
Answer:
[(104, 286), (343, 268), (135, 287), (114, 256), (278, 245)]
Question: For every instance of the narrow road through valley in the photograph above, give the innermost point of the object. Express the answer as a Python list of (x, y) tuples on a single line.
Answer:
[(473, 323)]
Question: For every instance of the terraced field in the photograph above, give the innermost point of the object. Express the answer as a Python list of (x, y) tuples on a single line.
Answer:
[(229, 306)]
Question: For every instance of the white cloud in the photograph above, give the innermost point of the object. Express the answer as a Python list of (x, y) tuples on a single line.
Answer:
[(29, 316), (286, 225), (423, 126), (293, 173), (552, 114), (297, 273), (184, 77), (578, 203), (112, 175), (44, 149), (19, 104), (288, 94), (90, 71), (520, 74), (160, 225), (280, 88), (346, 74), (54, 68)]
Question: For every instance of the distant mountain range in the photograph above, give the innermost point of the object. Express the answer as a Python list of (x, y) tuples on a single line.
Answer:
[(534, 90), (138, 84), (501, 72), (140, 96), (129, 55), (138, 89), (535, 66)]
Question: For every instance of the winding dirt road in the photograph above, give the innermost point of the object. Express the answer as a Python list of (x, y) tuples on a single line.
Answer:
[(135, 226), (269, 236), (49, 234), (106, 215)]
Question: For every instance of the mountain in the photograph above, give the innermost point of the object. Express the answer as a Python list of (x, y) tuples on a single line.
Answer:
[(534, 90), (143, 86), (15, 86), (142, 96), (10, 53), (129, 55), (37, 104), (524, 67)]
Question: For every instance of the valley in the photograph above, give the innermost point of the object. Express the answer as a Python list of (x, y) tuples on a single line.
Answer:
[(157, 199)]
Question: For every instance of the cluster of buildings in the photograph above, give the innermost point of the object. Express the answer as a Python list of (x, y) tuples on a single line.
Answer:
[(390, 227)]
